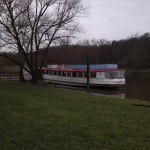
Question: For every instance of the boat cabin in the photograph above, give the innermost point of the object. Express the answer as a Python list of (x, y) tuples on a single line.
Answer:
[(83, 73)]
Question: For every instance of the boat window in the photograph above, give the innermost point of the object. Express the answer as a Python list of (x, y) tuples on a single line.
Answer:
[(92, 74), (109, 75), (50, 72), (85, 74), (117, 74), (68, 74), (46, 71), (74, 74), (43, 71), (80, 74), (64, 73), (55, 72), (121, 74), (59, 73)]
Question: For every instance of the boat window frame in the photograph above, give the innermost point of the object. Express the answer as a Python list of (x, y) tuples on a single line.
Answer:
[(64, 74), (85, 74), (74, 74), (80, 74), (59, 73), (92, 74), (69, 74), (114, 74), (55, 73)]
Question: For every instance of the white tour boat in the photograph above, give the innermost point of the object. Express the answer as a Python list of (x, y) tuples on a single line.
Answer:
[(76, 75)]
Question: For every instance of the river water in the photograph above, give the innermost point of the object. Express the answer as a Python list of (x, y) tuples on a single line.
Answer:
[(136, 88)]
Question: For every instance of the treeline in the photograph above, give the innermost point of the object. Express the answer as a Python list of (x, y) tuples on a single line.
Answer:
[(133, 52)]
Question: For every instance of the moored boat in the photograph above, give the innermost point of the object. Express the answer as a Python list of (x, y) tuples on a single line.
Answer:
[(76, 75)]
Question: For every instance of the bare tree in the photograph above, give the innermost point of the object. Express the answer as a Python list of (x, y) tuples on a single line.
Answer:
[(30, 27)]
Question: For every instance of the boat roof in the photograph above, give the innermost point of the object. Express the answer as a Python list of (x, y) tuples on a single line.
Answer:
[(73, 70)]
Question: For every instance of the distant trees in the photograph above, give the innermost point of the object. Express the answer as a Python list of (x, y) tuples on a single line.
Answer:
[(132, 53), (135, 52), (30, 27)]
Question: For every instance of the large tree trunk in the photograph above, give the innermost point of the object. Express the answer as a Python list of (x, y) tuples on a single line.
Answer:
[(21, 76), (28, 28), (34, 77)]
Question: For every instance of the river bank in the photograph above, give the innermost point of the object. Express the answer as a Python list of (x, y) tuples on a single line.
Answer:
[(40, 117)]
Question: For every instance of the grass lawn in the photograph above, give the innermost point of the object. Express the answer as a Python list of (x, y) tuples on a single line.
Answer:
[(34, 117)]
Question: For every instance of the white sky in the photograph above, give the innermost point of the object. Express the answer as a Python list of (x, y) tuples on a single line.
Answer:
[(116, 19)]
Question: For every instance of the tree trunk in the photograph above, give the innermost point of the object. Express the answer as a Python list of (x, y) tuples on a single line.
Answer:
[(21, 76), (34, 77)]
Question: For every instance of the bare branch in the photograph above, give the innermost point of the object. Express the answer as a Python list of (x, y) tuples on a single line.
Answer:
[(37, 24)]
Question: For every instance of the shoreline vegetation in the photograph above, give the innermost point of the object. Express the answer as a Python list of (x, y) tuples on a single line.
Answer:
[(41, 117), (128, 72)]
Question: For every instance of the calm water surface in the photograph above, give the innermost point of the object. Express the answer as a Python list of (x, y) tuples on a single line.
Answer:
[(136, 88)]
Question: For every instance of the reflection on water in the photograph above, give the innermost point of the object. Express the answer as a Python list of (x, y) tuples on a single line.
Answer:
[(113, 92), (138, 88)]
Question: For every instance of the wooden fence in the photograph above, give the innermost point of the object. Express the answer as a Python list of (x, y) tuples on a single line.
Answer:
[(9, 77)]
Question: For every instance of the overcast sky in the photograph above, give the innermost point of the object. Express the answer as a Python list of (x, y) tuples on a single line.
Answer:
[(116, 19)]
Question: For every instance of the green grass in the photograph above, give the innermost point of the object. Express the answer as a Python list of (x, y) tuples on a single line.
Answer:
[(34, 117)]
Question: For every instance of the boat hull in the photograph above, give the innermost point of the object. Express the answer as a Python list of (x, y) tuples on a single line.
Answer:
[(94, 82)]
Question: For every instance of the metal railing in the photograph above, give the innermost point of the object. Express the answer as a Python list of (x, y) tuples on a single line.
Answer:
[(9, 77)]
